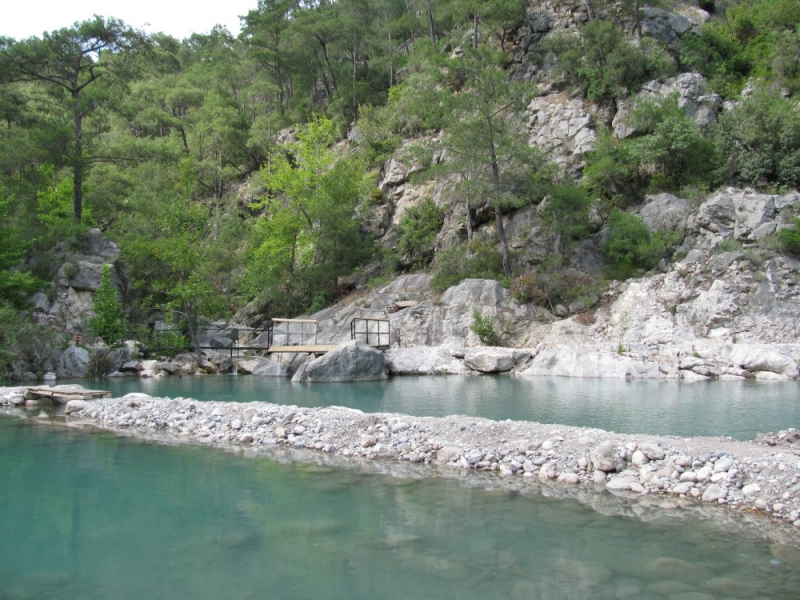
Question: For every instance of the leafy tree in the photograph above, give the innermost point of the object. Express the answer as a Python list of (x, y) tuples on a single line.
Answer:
[(417, 231), (604, 64), (72, 60), (486, 147), (108, 322), (670, 143), (630, 245), (309, 235), (759, 142), (566, 211)]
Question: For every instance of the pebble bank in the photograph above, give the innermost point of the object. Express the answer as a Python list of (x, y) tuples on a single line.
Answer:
[(758, 479)]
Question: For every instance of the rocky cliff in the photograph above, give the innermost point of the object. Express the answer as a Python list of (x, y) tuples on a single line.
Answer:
[(726, 308)]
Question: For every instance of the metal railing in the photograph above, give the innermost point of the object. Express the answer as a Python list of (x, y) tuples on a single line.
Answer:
[(375, 332)]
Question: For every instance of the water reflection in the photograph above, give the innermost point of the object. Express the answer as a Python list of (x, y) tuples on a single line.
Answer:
[(726, 408)]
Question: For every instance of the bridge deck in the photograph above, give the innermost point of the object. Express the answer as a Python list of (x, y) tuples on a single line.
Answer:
[(310, 348)]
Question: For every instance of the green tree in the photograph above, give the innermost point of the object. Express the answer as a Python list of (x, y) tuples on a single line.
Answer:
[(417, 231), (72, 60), (108, 322), (309, 235), (759, 142), (486, 146)]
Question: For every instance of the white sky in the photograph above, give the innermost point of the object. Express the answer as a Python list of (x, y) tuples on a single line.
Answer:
[(20, 19)]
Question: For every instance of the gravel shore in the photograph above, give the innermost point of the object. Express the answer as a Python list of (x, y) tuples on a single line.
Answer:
[(751, 479)]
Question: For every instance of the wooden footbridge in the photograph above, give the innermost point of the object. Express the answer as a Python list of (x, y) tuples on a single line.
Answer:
[(300, 336)]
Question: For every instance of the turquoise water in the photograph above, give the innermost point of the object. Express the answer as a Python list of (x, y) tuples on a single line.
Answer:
[(92, 516), (718, 408)]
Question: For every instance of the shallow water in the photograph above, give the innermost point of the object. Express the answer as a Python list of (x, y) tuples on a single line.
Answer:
[(90, 515), (716, 408)]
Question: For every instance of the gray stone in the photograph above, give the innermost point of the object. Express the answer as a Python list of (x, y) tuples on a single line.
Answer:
[(606, 457), (714, 492), (350, 361), (489, 360), (74, 362)]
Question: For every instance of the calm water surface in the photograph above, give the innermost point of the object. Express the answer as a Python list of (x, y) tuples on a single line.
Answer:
[(727, 408), (92, 516)]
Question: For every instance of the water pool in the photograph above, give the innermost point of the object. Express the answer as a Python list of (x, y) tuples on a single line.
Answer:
[(93, 516), (714, 408)]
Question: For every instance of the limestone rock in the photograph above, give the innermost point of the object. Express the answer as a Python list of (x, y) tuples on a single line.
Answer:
[(74, 362), (606, 457), (489, 360), (350, 361), (421, 360)]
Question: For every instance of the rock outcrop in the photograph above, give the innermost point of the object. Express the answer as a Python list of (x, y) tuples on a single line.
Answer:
[(350, 361)]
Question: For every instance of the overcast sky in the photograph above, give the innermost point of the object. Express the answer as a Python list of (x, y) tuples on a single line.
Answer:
[(179, 18)]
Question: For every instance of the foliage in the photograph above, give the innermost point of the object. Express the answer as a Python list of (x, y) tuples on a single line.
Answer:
[(760, 142), (35, 344), (566, 211), (310, 234), (417, 231), (789, 238), (488, 151), (553, 283), (671, 144), (473, 260), (603, 64), (108, 322), (483, 326), (630, 245)]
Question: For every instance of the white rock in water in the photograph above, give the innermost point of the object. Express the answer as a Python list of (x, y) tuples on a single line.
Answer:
[(714, 493), (74, 406), (619, 484), (751, 489)]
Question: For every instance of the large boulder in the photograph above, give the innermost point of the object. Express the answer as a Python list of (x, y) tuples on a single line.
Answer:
[(74, 363), (351, 361), (490, 360)]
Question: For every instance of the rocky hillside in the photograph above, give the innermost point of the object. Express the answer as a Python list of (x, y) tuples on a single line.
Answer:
[(726, 308)]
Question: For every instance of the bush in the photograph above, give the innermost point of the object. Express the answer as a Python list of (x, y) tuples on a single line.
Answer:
[(552, 283), (566, 211), (417, 232), (483, 326), (108, 322), (789, 238), (474, 260), (760, 142), (630, 245)]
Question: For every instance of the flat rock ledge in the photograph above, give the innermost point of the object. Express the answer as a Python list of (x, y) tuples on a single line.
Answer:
[(758, 478)]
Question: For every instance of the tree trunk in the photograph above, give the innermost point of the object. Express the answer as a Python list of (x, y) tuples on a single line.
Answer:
[(498, 213), (431, 27), (77, 162)]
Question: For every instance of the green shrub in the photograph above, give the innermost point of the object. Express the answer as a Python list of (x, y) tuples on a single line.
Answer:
[(760, 142), (789, 238), (553, 283), (483, 326), (417, 232), (630, 245), (108, 322), (474, 260)]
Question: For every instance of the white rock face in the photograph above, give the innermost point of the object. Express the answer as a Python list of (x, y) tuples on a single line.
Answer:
[(422, 360), (561, 126)]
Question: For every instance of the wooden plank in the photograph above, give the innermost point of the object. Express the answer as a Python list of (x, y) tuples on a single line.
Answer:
[(293, 321), (313, 349)]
